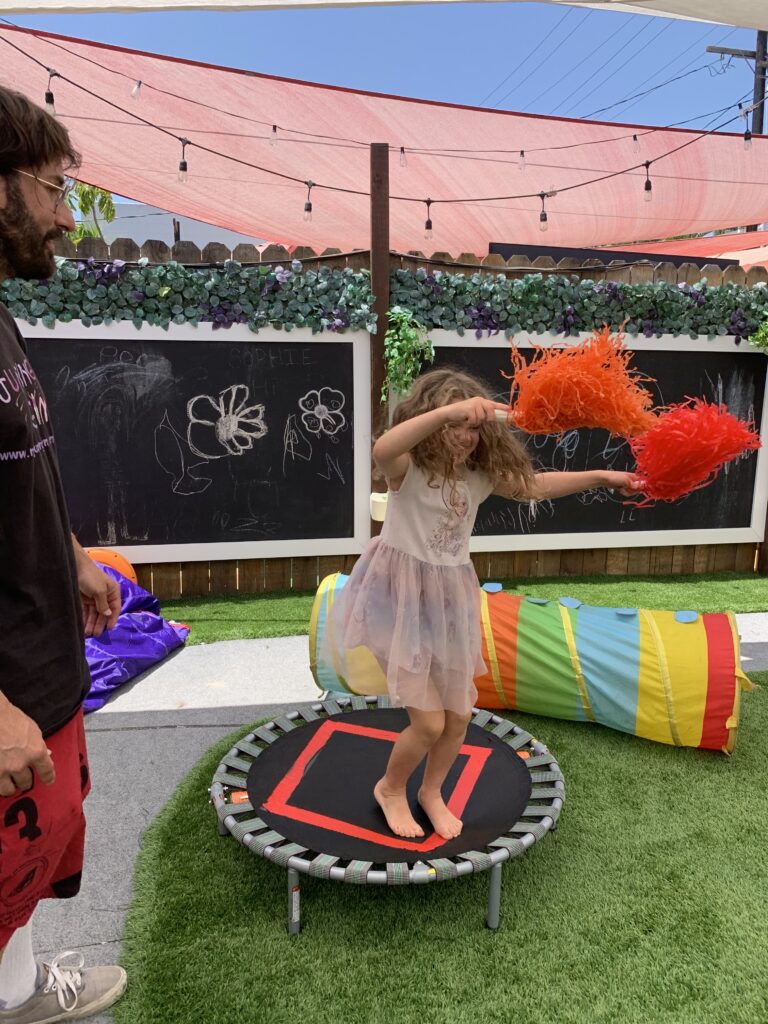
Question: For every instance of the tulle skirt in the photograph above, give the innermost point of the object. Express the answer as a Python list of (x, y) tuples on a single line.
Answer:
[(417, 624)]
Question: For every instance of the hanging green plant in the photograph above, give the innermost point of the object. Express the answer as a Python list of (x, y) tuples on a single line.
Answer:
[(760, 338), (406, 347)]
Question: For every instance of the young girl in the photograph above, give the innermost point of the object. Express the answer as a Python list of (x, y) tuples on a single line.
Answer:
[(413, 597)]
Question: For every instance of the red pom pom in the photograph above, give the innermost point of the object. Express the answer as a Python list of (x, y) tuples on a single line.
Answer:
[(584, 385), (687, 448)]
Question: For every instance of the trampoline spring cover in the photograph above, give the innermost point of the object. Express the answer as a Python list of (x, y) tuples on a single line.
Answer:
[(282, 797)]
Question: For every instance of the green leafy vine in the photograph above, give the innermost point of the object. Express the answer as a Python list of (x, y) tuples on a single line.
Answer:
[(406, 347)]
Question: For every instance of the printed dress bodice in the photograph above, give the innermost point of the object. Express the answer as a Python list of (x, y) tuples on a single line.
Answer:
[(434, 523)]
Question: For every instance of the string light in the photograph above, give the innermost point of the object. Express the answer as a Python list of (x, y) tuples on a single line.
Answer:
[(441, 152), (403, 157), (136, 90), (205, 149), (704, 134), (183, 162), (273, 136), (543, 219), (747, 139), (521, 160), (648, 187), (428, 222), (308, 203), (50, 106), (635, 144)]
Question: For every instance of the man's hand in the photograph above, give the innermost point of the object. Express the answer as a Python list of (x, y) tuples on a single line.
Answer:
[(100, 597), (22, 751)]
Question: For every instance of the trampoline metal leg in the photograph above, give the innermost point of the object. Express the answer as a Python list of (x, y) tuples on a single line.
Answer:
[(294, 902), (494, 897), (222, 828)]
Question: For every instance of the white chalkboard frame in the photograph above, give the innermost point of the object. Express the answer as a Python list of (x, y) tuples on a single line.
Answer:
[(646, 538), (361, 373)]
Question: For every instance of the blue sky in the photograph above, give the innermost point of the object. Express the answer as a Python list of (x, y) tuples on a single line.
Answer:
[(515, 56)]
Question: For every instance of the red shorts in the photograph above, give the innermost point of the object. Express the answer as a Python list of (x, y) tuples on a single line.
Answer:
[(42, 832)]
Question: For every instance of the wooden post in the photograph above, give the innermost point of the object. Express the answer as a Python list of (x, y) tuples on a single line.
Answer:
[(379, 271), (380, 289)]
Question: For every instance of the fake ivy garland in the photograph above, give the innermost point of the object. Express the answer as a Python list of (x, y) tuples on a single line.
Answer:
[(406, 348)]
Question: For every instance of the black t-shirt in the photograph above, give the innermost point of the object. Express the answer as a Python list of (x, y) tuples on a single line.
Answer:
[(42, 655)]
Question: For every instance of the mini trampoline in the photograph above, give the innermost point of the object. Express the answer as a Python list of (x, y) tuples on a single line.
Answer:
[(299, 792)]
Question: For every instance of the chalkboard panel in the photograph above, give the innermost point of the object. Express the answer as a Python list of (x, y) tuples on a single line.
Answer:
[(196, 441), (735, 378)]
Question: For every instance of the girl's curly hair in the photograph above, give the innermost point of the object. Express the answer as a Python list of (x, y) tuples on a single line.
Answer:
[(499, 454)]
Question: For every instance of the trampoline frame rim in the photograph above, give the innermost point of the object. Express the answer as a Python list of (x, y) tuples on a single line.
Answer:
[(419, 873)]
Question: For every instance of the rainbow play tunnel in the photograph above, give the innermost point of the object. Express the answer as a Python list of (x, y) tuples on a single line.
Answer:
[(672, 677)]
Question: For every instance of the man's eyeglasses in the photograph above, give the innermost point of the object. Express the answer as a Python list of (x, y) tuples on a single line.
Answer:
[(57, 193)]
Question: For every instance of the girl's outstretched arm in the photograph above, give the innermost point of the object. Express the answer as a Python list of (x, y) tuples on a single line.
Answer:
[(558, 485), (390, 452)]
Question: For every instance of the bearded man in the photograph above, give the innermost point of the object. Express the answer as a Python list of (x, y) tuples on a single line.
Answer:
[(51, 596)]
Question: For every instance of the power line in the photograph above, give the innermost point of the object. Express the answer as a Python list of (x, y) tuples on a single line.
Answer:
[(661, 85), (580, 64), (664, 28), (685, 67), (550, 55), (547, 35), (646, 24)]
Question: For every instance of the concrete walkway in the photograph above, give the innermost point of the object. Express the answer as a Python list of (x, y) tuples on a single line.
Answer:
[(146, 739)]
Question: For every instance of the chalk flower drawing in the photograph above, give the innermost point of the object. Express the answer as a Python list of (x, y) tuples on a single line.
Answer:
[(226, 422), (321, 411)]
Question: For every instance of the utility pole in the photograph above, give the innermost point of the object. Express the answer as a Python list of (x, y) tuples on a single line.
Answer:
[(758, 55)]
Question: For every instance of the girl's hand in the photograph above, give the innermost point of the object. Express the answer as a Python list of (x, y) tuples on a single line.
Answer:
[(625, 483), (471, 412)]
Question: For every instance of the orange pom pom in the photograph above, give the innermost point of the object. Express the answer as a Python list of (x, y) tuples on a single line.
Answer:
[(687, 448), (584, 385)]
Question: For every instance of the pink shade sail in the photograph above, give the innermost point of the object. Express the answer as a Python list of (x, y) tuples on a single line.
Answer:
[(712, 245), (757, 257), (237, 179)]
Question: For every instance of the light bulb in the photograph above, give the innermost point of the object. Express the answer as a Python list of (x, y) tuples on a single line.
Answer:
[(136, 90), (543, 221), (273, 136), (403, 157), (747, 139), (648, 191), (183, 171), (635, 144), (521, 160), (428, 229), (49, 104), (308, 211)]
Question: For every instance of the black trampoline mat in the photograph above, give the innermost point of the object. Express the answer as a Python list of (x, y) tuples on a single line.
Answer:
[(314, 785)]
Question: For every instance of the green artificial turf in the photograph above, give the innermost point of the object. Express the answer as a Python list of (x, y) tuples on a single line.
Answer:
[(647, 906), (247, 616)]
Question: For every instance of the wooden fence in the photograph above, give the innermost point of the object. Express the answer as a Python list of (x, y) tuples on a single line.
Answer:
[(253, 576), (265, 575), (637, 272)]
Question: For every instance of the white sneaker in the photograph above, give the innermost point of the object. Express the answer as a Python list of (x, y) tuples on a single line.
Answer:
[(68, 991)]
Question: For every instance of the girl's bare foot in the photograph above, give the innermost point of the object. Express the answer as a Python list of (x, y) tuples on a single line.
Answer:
[(444, 823), (394, 804)]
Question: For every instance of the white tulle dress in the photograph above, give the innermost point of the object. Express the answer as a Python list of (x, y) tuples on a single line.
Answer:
[(412, 599)]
